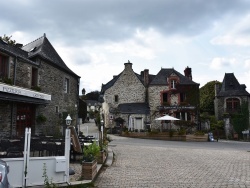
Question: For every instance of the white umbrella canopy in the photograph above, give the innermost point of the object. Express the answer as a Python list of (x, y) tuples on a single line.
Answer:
[(167, 117)]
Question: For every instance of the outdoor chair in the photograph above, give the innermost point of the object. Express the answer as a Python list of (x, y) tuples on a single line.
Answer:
[(14, 152)]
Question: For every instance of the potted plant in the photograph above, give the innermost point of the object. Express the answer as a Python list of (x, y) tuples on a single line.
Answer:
[(89, 164), (102, 153)]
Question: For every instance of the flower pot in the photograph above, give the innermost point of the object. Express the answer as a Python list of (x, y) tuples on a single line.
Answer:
[(89, 170), (101, 157)]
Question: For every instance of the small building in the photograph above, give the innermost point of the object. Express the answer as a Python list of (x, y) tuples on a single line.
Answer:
[(134, 100), (229, 98), (37, 89)]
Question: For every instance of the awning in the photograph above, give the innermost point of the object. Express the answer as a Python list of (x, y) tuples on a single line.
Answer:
[(20, 98)]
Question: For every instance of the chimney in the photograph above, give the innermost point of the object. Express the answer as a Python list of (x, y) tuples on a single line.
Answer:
[(216, 88), (19, 45), (188, 73), (128, 65), (146, 77)]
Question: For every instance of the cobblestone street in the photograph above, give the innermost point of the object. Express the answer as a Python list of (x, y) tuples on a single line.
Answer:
[(151, 163)]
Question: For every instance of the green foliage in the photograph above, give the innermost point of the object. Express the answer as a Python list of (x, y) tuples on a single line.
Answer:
[(91, 152), (199, 133), (7, 81), (40, 119), (47, 182), (93, 95), (207, 93), (8, 39), (36, 88), (241, 120), (171, 133), (182, 131), (91, 114)]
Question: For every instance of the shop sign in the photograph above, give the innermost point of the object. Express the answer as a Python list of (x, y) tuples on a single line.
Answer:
[(24, 92)]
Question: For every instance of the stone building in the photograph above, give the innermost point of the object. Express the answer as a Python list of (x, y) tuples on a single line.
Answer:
[(37, 89), (135, 100), (228, 99)]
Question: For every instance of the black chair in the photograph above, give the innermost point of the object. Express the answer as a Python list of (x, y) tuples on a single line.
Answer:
[(37, 146), (5, 144), (14, 152), (50, 148)]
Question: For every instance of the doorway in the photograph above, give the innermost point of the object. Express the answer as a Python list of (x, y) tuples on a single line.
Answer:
[(25, 117)]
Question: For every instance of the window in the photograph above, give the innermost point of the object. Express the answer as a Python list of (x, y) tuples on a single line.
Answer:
[(34, 77), (66, 85), (4, 66), (57, 109), (233, 104), (116, 98), (173, 84)]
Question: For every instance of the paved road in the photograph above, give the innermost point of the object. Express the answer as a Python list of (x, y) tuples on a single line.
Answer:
[(151, 163)]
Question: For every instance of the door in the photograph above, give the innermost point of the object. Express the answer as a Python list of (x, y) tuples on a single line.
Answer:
[(138, 123), (25, 117)]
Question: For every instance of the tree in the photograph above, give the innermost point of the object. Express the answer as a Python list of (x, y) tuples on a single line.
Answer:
[(241, 120), (207, 97), (8, 39), (93, 95)]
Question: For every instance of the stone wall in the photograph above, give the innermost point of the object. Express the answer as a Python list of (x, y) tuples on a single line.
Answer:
[(154, 96), (128, 88), (51, 81)]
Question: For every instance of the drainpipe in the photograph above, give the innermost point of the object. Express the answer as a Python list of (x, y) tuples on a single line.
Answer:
[(11, 118), (14, 79), (12, 103)]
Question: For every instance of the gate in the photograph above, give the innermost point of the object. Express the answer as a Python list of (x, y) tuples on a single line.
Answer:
[(29, 171)]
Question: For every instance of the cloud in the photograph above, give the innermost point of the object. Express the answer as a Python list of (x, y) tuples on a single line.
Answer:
[(238, 35), (220, 62)]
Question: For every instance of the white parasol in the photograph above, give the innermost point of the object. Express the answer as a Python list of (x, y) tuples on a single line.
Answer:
[(167, 117)]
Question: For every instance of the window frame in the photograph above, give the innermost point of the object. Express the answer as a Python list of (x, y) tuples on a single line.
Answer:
[(34, 77), (116, 98), (66, 85)]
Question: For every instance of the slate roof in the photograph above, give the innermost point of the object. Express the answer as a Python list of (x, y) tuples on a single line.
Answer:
[(109, 84), (43, 48), (161, 78), (134, 108), (112, 82), (231, 87), (14, 51)]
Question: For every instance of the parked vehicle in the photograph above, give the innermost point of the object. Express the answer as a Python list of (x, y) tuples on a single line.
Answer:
[(211, 137), (4, 170)]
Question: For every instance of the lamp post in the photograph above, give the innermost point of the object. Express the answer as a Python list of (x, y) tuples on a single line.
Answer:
[(102, 123), (68, 120)]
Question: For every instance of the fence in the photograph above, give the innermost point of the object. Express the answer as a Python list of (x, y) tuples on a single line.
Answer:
[(29, 171)]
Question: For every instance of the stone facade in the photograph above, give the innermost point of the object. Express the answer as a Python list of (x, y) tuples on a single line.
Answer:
[(126, 90), (45, 72), (228, 99)]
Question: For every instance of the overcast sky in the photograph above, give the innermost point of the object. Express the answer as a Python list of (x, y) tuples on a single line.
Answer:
[(96, 37)]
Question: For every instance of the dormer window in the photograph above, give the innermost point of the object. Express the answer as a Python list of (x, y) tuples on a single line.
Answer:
[(173, 84)]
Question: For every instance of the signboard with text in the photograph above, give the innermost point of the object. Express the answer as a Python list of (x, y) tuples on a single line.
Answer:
[(24, 92)]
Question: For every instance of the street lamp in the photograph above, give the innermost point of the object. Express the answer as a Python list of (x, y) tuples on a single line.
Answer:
[(68, 120)]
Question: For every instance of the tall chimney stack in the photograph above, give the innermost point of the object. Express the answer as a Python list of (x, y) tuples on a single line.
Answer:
[(188, 73), (128, 65)]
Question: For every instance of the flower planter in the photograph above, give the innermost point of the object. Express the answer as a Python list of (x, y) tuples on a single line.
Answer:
[(101, 157), (89, 170)]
